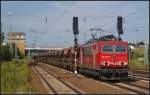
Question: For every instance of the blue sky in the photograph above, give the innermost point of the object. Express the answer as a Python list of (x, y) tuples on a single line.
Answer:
[(31, 15)]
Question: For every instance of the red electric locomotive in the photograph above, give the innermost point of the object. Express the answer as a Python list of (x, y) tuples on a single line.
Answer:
[(105, 58)]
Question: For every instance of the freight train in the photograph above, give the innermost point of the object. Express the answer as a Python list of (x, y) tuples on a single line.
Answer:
[(106, 57)]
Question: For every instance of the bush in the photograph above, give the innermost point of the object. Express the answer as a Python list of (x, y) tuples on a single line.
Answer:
[(5, 54), (136, 60), (21, 54), (14, 77)]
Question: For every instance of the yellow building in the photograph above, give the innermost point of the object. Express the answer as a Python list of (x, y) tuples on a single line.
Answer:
[(17, 38)]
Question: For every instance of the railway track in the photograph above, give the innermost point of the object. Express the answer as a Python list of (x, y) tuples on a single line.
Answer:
[(132, 85), (54, 85), (78, 90), (127, 86), (133, 88), (141, 71), (139, 74), (136, 85), (138, 77), (66, 83)]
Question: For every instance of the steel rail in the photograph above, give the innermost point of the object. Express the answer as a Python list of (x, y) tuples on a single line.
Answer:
[(66, 83)]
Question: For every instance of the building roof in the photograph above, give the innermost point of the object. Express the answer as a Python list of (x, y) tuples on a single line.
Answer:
[(15, 33)]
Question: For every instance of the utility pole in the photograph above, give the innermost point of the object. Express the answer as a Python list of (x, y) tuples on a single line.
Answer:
[(75, 32), (0, 40), (84, 37), (46, 24), (9, 30), (9, 21), (146, 50)]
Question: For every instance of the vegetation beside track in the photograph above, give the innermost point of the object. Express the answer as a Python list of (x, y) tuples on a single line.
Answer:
[(137, 61), (15, 77)]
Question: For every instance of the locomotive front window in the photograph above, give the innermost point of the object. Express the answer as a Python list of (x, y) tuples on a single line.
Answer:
[(120, 48), (107, 48)]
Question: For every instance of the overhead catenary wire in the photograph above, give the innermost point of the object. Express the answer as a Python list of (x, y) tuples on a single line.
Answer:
[(140, 10), (61, 15), (125, 16), (114, 22)]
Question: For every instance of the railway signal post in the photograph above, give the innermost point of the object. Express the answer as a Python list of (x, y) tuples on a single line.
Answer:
[(75, 32), (119, 26)]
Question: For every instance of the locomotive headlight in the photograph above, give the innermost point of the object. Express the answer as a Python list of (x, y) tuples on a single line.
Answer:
[(125, 63), (103, 63), (120, 63)]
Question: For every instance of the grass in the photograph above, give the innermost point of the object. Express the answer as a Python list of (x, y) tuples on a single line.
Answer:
[(138, 66), (15, 76), (136, 60)]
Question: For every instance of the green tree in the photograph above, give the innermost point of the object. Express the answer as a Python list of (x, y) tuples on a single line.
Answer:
[(20, 54), (1, 38), (5, 54)]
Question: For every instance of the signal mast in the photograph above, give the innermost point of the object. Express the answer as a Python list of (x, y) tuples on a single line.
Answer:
[(119, 27), (75, 32)]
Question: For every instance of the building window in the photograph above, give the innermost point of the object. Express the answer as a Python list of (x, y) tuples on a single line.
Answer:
[(17, 36)]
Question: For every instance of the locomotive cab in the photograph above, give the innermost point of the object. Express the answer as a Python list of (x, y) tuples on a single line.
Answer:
[(108, 59), (113, 59)]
